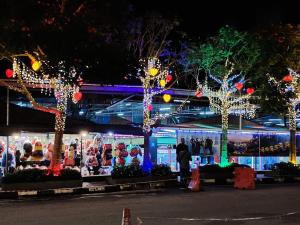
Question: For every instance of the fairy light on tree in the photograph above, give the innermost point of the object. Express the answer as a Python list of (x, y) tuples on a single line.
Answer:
[(51, 80), (227, 99), (154, 83), (289, 88), (155, 70), (219, 67)]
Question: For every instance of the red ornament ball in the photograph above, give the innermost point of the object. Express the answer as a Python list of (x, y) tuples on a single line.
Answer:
[(150, 107), (198, 94), (169, 78), (78, 96), (288, 78), (9, 73), (238, 86), (250, 91)]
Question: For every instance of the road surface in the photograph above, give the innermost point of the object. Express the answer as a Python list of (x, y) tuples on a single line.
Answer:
[(216, 205)]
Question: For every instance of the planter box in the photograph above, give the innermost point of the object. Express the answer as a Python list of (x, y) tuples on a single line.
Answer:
[(41, 185), (111, 180)]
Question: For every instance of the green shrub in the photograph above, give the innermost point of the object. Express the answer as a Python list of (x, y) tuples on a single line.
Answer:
[(161, 170), (285, 169), (26, 175), (130, 171)]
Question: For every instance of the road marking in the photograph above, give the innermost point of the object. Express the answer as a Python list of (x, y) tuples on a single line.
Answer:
[(63, 191), (24, 193), (140, 221)]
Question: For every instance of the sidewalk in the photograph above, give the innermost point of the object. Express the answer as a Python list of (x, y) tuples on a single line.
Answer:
[(91, 187)]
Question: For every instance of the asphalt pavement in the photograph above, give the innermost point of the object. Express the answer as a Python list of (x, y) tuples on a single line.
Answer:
[(215, 205)]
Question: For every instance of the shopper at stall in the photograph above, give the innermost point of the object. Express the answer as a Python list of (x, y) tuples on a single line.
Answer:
[(8, 162), (18, 158), (27, 147), (183, 157), (69, 159), (48, 155)]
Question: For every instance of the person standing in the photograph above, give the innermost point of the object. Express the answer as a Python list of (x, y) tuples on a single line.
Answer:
[(183, 157)]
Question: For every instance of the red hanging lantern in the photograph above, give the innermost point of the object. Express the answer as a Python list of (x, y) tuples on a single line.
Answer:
[(169, 78), (288, 78), (9, 73), (77, 96), (250, 91), (198, 94), (80, 81), (238, 86), (150, 107)]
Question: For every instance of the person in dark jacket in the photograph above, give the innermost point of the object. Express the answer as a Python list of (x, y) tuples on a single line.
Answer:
[(183, 157)]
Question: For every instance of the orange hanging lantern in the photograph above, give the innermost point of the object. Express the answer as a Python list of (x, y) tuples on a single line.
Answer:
[(9, 73), (153, 71), (250, 91), (288, 78), (162, 83), (238, 86), (36, 65), (77, 96), (167, 98)]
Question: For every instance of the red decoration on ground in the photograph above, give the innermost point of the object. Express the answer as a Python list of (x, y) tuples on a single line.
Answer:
[(198, 94), (9, 73), (288, 78), (238, 86), (250, 91), (78, 96), (244, 178), (150, 107), (169, 78)]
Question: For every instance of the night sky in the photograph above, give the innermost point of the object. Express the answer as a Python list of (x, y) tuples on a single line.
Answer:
[(202, 18), (198, 19)]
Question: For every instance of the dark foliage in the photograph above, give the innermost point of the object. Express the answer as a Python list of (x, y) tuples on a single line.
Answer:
[(285, 169), (130, 171), (38, 175), (161, 170)]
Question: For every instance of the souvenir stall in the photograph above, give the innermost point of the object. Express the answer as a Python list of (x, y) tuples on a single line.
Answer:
[(103, 151), (262, 149), (258, 149)]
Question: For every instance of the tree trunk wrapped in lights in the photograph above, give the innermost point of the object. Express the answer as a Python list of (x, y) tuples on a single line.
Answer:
[(62, 84), (290, 90), (225, 100), (156, 70), (224, 60)]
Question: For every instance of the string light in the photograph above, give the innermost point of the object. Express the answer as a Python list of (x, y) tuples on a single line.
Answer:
[(59, 84), (289, 87), (225, 100)]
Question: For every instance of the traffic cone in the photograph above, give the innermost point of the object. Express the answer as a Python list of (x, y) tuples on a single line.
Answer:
[(126, 217)]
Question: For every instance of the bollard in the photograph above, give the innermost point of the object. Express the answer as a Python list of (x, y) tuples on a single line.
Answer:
[(194, 185), (126, 217)]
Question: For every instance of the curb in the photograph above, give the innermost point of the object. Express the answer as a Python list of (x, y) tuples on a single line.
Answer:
[(90, 190), (258, 180)]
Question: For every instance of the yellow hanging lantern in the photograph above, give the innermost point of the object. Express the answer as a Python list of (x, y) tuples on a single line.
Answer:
[(162, 83), (166, 98), (153, 71), (36, 65)]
